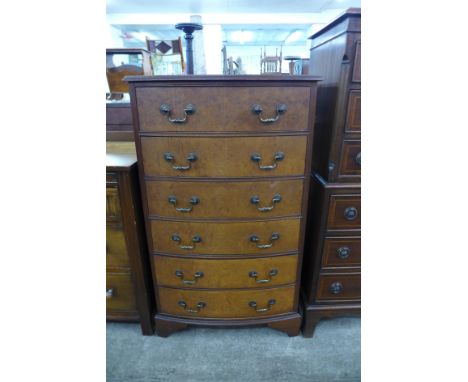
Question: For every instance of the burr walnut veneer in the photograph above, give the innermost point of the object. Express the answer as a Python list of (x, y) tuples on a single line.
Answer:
[(224, 172), (331, 272)]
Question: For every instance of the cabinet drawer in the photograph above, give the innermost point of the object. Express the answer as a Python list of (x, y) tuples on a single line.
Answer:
[(341, 252), (344, 212), (119, 292), (224, 156), (350, 163), (339, 287), (113, 213), (116, 247), (353, 116), (222, 109), (183, 237), (226, 303), (242, 273), (224, 199)]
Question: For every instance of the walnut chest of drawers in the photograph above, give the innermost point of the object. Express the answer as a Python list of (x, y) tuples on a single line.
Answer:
[(128, 279), (331, 280), (223, 172)]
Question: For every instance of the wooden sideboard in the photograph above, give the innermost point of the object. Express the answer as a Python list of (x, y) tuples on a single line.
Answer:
[(119, 124), (224, 166), (331, 279), (129, 291)]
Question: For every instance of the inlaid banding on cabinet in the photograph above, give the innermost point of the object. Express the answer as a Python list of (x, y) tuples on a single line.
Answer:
[(351, 158), (341, 252), (344, 212), (353, 117), (339, 286)]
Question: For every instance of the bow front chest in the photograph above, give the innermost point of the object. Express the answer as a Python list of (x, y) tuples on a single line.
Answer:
[(224, 171)]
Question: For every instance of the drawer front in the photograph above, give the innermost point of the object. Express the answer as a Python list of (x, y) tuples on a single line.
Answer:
[(357, 63), (341, 252), (242, 273), (353, 116), (233, 238), (339, 287), (222, 109), (226, 303), (350, 163), (224, 156), (116, 248), (119, 292), (113, 213), (344, 212), (224, 199)]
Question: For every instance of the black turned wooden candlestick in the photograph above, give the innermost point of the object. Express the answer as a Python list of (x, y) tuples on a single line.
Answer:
[(189, 28)]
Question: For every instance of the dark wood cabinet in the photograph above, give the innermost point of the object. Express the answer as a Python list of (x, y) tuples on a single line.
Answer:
[(119, 124), (336, 57), (129, 292), (224, 171), (331, 282)]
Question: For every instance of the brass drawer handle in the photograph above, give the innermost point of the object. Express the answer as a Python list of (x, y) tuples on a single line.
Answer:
[(169, 157), (279, 156), (280, 109), (195, 239), (254, 275), (196, 276), (350, 213), (109, 293), (200, 306), (336, 288), (255, 239), (194, 200), (357, 158), (343, 252), (274, 200), (253, 304), (188, 110)]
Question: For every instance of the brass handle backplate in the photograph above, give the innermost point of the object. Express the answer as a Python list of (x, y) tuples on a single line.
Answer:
[(280, 109), (254, 275), (274, 200), (195, 239), (255, 239), (253, 304), (199, 306), (109, 293), (188, 110), (170, 157), (194, 200), (279, 156), (196, 276)]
